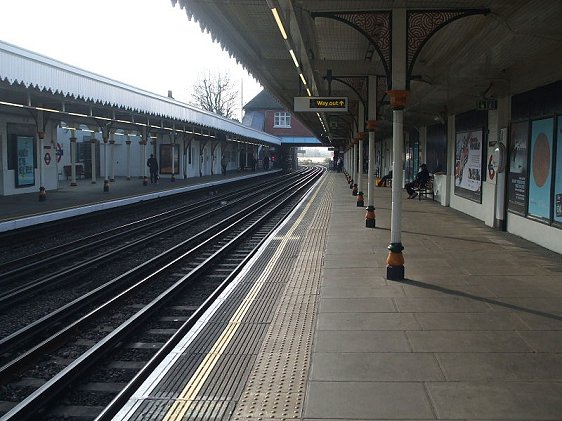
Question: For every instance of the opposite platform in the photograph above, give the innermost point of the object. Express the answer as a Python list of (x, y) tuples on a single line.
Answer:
[(17, 211), (473, 333)]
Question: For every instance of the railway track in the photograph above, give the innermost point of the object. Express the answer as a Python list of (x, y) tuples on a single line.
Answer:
[(57, 273), (137, 321)]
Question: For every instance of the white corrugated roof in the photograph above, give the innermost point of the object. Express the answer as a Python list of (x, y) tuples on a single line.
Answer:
[(25, 67)]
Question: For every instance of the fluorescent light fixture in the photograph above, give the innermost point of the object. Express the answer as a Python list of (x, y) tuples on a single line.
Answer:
[(47, 109), (279, 23), (302, 78), (308, 92), (12, 104), (294, 57)]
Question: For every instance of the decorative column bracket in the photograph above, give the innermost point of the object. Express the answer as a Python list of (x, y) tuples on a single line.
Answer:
[(423, 24), (374, 25), (358, 84)]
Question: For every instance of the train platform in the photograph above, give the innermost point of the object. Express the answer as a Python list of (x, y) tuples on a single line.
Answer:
[(17, 211), (312, 330)]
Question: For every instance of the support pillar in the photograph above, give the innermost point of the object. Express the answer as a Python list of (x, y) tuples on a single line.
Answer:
[(395, 259), (173, 177), (360, 141), (353, 183), (128, 143), (350, 165), (93, 143), (143, 140), (112, 160), (73, 159), (42, 191), (370, 217), (397, 96), (105, 166)]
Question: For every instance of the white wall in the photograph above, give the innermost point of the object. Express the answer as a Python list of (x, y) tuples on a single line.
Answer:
[(54, 174), (536, 232)]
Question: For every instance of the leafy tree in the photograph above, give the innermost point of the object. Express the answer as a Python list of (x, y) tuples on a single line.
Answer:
[(215, 92)]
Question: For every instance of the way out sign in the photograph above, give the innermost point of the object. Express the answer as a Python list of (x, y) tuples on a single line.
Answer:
[(319, 104)]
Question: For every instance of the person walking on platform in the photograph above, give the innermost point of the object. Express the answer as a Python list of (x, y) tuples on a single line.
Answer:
[(152, 164), (224, 163), (421, 179), (266, 163), (253, 162)]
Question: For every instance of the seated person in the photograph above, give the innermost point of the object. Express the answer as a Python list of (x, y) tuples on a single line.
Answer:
[(383, 180), (421, 179)]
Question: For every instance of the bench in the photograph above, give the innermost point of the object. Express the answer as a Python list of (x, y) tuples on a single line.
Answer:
[(79, 171), (425, 190)]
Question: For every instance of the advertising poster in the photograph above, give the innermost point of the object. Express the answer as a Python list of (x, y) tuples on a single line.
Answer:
[(468, 164), (558, 179), (540, 168), (25, 173), (165, 163), (517, 176)]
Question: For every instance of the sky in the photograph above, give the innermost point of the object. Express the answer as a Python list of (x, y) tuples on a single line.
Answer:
[(148, 44)]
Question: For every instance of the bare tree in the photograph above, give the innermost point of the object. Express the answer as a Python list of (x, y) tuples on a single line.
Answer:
[(215, 92)]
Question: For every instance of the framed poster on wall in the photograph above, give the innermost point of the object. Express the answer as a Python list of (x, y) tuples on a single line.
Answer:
[(540, 167), (25, 158), (468, 164), (517, 176)]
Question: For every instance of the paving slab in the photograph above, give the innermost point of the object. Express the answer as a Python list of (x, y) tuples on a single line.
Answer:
[(467, 335)]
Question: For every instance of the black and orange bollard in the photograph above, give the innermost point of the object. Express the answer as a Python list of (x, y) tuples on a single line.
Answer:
[(360, 199), (42, 194), (354, 191), (395, 262), (370, 217), (106, 185)]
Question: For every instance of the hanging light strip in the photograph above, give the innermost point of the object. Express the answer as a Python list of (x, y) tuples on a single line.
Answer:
[(294, 58), (279, 23)]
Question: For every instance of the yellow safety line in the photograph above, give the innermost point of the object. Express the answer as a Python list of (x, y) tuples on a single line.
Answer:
[(194, 385)]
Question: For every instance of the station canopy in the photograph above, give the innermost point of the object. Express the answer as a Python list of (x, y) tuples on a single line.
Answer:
[(66, 93), (460, 55)]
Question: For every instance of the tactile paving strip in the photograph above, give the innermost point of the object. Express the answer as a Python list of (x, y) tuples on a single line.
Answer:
[(261, 369), (277, 382)]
